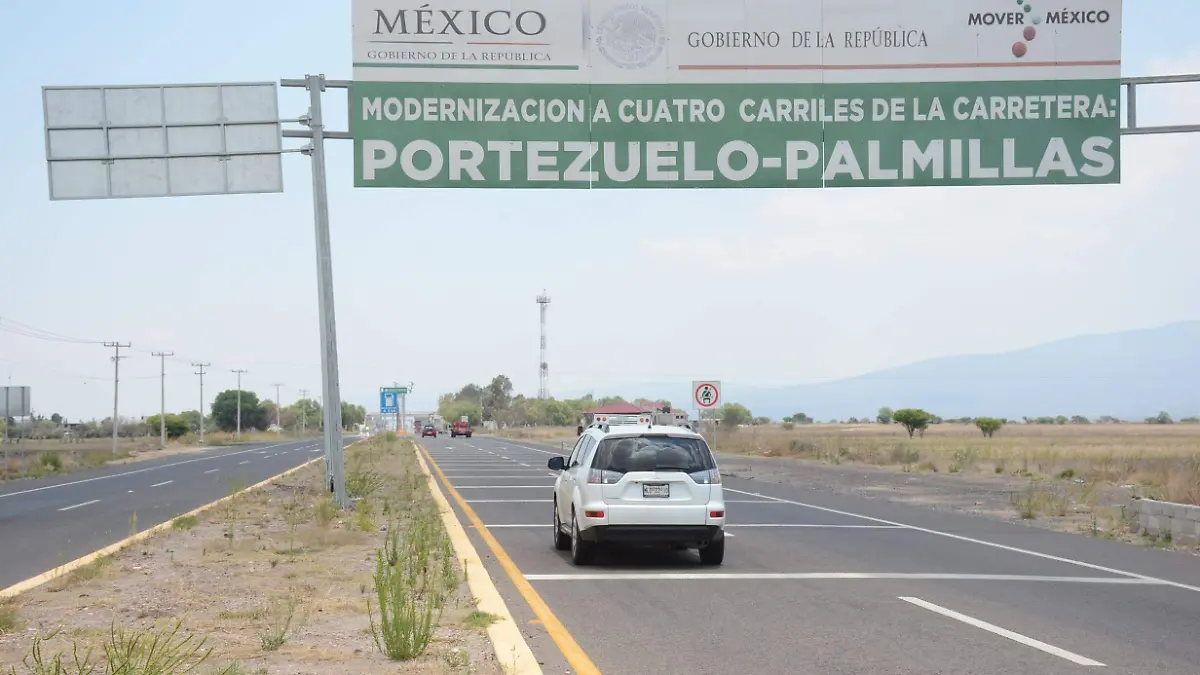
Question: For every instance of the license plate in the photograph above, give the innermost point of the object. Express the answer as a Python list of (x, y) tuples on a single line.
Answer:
[(658, 491)]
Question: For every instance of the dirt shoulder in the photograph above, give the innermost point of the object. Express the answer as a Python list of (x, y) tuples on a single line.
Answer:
[(1069, 505), (278, 580)]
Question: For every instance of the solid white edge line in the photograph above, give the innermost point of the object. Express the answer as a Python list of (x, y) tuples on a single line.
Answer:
[(500, 487), (1003, 632), (504, 501), (68, 508), (131, 473), (815, 526), (833, 576), (959, 537)]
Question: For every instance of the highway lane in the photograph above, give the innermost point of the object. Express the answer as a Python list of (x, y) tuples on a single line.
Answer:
[(45, 523), (825, 583)]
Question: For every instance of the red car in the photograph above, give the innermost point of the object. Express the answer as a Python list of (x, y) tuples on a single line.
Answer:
[(429, 430), (460, 428)]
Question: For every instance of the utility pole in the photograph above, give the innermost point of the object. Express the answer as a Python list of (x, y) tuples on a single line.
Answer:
[(278, 410), (116, 359), (200, 372), (239, 404), (162, 396), (303, 411)]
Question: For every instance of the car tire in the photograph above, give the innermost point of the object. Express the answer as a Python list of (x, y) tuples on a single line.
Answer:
[(581, 551), (714, 553), (562, 542), (468, 435)]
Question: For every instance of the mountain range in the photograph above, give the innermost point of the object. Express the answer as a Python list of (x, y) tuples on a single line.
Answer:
[(1130, 375)]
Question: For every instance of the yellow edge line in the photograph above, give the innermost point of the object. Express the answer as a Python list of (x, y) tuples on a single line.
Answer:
[(576, 657), (512, 651), (29, 584)]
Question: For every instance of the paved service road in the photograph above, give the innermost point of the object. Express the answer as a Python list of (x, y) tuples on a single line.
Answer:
[(827, 584), (46, 523)]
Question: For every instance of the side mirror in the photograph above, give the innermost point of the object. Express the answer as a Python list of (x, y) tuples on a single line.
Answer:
[(557, 463), (578, 431)]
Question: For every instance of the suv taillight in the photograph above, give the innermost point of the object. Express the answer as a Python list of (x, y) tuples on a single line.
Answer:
[(707, 477), (603, 477)]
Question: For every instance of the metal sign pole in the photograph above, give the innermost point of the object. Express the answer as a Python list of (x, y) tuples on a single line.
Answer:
[(334, 458)]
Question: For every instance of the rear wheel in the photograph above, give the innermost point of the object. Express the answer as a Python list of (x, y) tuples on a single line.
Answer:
[(562, 541), (581, 551), (714, 553)]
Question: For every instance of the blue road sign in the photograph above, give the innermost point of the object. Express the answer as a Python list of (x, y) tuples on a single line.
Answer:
[(387, 403)]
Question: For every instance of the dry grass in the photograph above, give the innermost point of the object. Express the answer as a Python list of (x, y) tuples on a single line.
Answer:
[(1164, 460), (280, 582), (536, 433)]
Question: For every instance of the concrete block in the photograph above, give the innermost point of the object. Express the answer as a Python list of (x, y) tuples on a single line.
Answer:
[(1153, 524), (1176, 526)]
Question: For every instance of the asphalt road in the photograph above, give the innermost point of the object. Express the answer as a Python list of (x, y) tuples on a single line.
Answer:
[(46, 523), (821, 583)]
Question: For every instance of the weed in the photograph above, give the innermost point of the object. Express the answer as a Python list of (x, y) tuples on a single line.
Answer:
[(282, 615), (51, 461), (456, 659), (411, 586), (133, 524), (293, 515), (82, 574), (184, 523), (1067, 474), (10, 618), (927, 465), (144, 651), (390, 437), (231, 511), (364, 516), (324, 512), (965, 459), (480, 619), (363, 481)]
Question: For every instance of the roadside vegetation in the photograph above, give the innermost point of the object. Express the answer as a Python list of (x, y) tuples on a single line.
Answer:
[(49, 445), (276, 579)]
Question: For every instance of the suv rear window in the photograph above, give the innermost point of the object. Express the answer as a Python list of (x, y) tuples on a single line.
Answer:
[(653, 453)]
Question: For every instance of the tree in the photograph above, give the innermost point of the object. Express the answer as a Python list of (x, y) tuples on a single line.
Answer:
[(1080, 419), (760, 421), (498, 395), (306, 414), (56, 418), (913, 419), (455, 410), (1161, 418), (225, 411), (192, 419), (801, 418), (177, 425), (885, 416), (733, 415), (352, 415), (988, 425)]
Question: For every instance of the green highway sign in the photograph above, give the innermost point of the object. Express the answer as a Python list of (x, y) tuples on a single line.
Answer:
[(399, 391), (708, 93)]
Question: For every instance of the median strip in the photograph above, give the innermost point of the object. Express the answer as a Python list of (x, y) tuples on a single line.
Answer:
[(276, 578)]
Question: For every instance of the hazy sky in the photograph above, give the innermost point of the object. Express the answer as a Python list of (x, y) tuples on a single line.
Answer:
[(438, 287)]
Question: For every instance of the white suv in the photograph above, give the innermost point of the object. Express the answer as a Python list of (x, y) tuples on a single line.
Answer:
[(642, 484)]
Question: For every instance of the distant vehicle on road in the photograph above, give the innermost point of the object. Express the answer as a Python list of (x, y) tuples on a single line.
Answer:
[(429, 430), (631, 481), (460, 428)]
